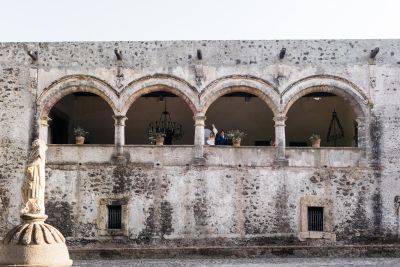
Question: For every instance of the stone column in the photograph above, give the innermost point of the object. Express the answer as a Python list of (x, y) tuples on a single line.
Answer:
[(119, 136), (44, 128), (362, 141), (199, 120), (280, 139), (361, 132)]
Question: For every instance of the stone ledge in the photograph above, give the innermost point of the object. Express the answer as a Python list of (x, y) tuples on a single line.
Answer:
[(317, 235), (229, 252)]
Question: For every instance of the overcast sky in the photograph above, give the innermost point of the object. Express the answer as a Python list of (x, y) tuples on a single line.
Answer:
[(92, 20)]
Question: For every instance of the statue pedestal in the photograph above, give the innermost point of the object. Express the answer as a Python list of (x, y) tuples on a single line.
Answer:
[(34, 243)]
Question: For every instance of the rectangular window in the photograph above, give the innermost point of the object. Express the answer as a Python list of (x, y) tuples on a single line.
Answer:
[(315, 219), (114, 217)]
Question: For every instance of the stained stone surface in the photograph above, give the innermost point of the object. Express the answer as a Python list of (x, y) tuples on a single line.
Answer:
[(314, 262), (234, 197)]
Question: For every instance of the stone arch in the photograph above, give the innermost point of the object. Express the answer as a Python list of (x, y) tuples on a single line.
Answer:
[(240, 83), (76, 83), (159, 82), (359, 101)]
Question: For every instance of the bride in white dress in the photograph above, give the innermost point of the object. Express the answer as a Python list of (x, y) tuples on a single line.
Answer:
[(211, 138)]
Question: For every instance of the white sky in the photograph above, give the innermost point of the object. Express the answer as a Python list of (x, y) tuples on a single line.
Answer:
[(96, 20)]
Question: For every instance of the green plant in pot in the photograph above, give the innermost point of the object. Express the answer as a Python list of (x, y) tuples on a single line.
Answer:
[(159, 138), (80, 135), (156, 138), (236, 136), (315, 140)]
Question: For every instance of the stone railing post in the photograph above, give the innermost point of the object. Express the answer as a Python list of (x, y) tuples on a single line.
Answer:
[(119, 136), (199, 122), (44, 128), (280, 139)]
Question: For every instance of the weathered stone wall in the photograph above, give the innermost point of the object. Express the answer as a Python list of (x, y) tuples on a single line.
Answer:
[(175, 201), (243, 199), (16, 118), (233, 203)]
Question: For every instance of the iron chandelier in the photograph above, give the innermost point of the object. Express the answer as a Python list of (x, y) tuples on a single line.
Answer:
[(170, 129)]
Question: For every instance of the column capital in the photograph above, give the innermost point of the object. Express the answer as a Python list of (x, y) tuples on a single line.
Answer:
[(45, 121), (199, 119), (361, 121), (280, 120), (120, 120)]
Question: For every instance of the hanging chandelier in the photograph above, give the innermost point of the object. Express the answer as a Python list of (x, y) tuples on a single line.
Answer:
[(169, 129), (335, 131)]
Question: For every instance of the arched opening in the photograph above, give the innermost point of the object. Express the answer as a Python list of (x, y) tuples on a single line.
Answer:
[(323, 113), (146, 117), (244, 112), (85, 110)]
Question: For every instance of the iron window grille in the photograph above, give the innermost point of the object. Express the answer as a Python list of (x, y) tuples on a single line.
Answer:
[(114, 217), (315, 219)]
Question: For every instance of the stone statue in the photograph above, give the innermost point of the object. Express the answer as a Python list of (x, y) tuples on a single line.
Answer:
[(34, 183), (33, 242)]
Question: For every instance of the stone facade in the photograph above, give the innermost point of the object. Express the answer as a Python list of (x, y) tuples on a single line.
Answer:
[(199, 195)]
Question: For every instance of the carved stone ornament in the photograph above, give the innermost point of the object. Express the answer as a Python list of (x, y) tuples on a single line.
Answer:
[(199, 74), (119, 78), (34, 183), (33, 242)]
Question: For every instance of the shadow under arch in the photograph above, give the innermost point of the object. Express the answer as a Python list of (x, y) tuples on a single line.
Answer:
[(159, 82), (72, 84), (358, 100), (240, 83)]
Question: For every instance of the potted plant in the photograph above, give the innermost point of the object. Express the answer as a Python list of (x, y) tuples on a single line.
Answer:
[(80, 135), (315, 140), (236, 136), (159, 138), (156, 138)]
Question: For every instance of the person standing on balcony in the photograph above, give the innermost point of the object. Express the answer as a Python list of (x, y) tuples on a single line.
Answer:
[(221, 140), (211, 139)]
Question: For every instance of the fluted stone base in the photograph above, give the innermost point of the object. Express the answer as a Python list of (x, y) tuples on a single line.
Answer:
[(34, 243)]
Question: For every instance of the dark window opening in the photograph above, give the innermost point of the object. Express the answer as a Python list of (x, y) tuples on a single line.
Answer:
[(316, 219), (319, 94), (85, 110), (263, 142), (161, 117), (114, 217), (244, 112), (59, 127), (324, 114), (298, 143)]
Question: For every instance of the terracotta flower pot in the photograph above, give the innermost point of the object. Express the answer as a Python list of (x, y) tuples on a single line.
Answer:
[(316, 142), (160, 141), (79, 140), (236, 141)]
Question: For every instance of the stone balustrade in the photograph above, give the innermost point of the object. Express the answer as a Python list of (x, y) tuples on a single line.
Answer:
[(175, 155)]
